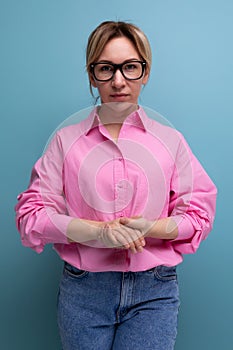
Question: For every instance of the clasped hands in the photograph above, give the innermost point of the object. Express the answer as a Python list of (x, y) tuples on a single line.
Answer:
[(125, 233)]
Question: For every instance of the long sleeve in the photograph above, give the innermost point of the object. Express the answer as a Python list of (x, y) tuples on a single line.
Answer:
[(41, 211), (192, 201), (80, 176)]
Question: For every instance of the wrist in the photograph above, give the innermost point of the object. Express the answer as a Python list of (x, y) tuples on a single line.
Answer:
[(165, 228), (81, 230), (96, 229)]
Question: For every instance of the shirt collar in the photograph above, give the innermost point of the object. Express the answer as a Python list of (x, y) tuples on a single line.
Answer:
[(138, 119)]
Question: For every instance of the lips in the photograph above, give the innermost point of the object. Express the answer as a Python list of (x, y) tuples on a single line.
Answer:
[(119, 96)]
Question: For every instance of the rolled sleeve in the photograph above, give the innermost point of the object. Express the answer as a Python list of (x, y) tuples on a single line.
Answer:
[(41, 211), (193, 201)]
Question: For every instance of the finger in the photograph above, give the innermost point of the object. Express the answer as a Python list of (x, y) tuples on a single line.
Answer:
[(110, 239), (132, 238), (135, 223), (139, 244), (136, 241), (124, 221), (114, 237), (143, 242), (121, 237), (132, 232), (125, 238)]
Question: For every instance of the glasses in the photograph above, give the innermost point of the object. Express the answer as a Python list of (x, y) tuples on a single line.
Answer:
[(131, 70)]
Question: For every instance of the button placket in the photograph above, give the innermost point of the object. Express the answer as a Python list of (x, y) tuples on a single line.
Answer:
[(119, 190)]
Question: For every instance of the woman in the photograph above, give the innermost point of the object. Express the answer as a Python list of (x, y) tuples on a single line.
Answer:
[(121, 197)]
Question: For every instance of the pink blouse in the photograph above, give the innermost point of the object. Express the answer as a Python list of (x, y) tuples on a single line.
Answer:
[(150, 171)]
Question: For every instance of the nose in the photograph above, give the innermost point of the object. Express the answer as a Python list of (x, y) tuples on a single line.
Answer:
[(118, 80)]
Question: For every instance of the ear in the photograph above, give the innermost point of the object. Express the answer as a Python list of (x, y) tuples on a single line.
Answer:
[(92, 80), (145, 78)]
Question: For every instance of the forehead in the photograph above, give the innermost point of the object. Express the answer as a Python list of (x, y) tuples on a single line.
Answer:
[(118, 50)]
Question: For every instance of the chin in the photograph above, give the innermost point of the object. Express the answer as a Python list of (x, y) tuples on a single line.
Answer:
[(120, 106)]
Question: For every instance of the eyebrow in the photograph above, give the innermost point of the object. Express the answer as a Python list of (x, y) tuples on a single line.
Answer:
[(128, 60)]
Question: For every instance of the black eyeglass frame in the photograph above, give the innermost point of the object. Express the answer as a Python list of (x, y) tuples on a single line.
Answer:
[(116, 67)]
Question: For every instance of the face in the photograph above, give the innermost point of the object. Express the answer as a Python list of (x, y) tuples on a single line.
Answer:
[(119, 89)]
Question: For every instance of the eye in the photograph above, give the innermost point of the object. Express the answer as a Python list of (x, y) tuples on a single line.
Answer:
[(105, 68), (130, 67)]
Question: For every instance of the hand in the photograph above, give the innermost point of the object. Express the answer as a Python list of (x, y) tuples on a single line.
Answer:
[(117, 235), (164, 228), (138, 223)]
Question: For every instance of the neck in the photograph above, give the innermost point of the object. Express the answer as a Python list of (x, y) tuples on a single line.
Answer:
[(115, 112), (112, 116)]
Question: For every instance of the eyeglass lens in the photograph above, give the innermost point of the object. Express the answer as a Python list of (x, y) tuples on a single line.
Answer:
[(130, 70)]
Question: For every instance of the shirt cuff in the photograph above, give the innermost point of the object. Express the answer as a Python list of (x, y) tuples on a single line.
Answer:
[(185, 228), (55, 229)]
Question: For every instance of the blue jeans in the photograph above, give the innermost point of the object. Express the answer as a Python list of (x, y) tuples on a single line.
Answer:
[(118, 310)]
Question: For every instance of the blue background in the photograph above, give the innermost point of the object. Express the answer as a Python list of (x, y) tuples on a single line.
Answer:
[(43, 81)]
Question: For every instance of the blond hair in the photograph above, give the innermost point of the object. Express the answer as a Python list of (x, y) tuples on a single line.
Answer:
[(109, 30)]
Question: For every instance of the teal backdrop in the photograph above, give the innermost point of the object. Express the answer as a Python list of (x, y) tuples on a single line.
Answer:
[(43, 81)]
